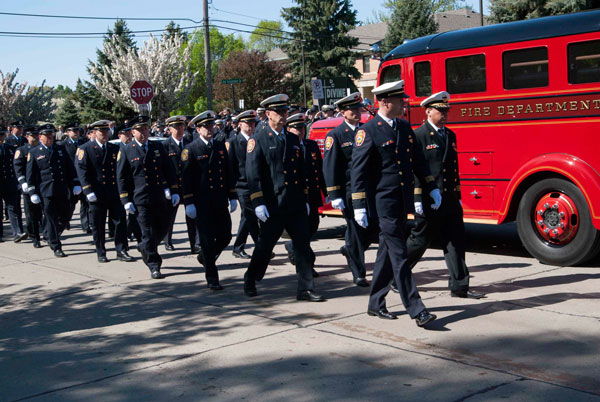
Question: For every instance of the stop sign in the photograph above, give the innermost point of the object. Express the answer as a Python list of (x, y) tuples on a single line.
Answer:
[(141, 92)]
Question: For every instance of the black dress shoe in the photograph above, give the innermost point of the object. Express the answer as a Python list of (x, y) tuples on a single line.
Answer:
[(59, 253), (88, 231), (37, 244), (102, 258), (361, 282), (156, 274), (196, 250), (467, 294), (382, 313), (290, 251), (249, 287), (169, 247), (424, 317), (241, 254), (215, 286), (19, 237), (310, 296), (315, 274), (124, 256), (393, 287)]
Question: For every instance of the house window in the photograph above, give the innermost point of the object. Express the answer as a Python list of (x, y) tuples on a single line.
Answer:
[(366, 64)]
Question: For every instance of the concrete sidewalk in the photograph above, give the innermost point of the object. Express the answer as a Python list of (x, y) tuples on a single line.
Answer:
[(73, 329)]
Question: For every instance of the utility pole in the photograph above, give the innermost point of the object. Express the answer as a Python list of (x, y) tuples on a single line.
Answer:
[(481, 12), (303, 72), (207, 58)]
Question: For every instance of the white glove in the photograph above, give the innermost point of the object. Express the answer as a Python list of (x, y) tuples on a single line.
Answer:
[(232, 205), (175, 199), (307, 209), (24, 187), (35, 199), (437, 198), (129, 208), (190, 211), (261, 213), (77, 190), (360, 216), (338, 203), (92, 197), (419, 208), (167, 194)]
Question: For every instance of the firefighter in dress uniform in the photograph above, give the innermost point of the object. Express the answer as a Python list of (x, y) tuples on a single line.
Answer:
[(174, 145), (133, 227), (384, 158), (337, 160), (313, 176), (33, 212), (208, 189), (9, 190), (147, 184), (96, 165), (275, 170), (438, 144), (52, 176)]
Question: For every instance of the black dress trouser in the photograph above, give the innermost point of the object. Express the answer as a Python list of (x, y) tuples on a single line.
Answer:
[(114, 209)]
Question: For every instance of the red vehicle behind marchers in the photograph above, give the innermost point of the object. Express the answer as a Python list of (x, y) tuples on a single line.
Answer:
[(525, 100)]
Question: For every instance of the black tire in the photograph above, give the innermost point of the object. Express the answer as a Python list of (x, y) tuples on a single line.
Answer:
[(584, 246)]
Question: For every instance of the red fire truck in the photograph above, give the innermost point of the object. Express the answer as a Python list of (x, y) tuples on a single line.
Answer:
[(525, 100)]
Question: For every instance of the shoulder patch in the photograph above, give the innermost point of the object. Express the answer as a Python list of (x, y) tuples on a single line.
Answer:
[(80, 154), (251, 145), (119, 155), (227, 144), (360, 138), (17, 154), (185, 155), (328, 143)]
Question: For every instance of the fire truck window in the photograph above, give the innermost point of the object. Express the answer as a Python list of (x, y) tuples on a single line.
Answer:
[(423, 78), (525, 68), (391, 74), (584, 62), (466, 74)]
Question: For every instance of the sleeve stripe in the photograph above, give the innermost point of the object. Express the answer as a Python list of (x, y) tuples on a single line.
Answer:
[(429, 179), (123, 195), (359, 196), (334, 188), (418, 190), (253, 196)]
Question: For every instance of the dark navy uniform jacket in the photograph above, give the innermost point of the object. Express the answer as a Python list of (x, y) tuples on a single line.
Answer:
[(147, 173), (97, 170), (50, 171), (8, 179), (72, 146), (383, 162), (20, 163), (207, 175), (442, 158), (313, 173), (15, 141), (336, 161), (236, 147), (275, 171), (174, 155)]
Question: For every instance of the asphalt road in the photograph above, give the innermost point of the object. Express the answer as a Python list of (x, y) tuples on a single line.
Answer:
[(72, 329)]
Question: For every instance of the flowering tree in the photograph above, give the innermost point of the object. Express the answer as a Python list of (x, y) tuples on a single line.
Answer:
[(10, 93), (163, 63)]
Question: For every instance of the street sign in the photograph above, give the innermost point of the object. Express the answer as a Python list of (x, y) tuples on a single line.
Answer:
[(141, 92), (317, 87), (232, 81), (241, 103)]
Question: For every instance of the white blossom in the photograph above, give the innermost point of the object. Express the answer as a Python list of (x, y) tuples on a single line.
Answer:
[(10, 93), (163, 63)]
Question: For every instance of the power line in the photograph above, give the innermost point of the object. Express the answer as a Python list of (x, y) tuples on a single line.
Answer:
[(76, 34), (240, 15), (99, 18)]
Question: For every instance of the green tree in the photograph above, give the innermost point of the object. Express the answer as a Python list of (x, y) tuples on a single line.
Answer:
[(267, 36), (410, 19), (220, 47), (322, 26), (67, 113), (126, 39), (171, 30), (515, 10), (36, 105)]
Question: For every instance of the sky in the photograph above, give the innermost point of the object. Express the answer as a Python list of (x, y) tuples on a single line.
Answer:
[(64, 60)]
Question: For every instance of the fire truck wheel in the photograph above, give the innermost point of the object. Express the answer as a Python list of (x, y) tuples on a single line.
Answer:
[(555, 224)]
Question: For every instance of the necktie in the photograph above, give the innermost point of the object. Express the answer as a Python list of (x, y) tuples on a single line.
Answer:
[(442, 133), (394, 124), (181, 144)]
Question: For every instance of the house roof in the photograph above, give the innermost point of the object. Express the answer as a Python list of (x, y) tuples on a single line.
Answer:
[(458, 19), (368, 35)]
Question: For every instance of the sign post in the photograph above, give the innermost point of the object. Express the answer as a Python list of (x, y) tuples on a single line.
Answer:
[(232, 82), (142, 92)]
